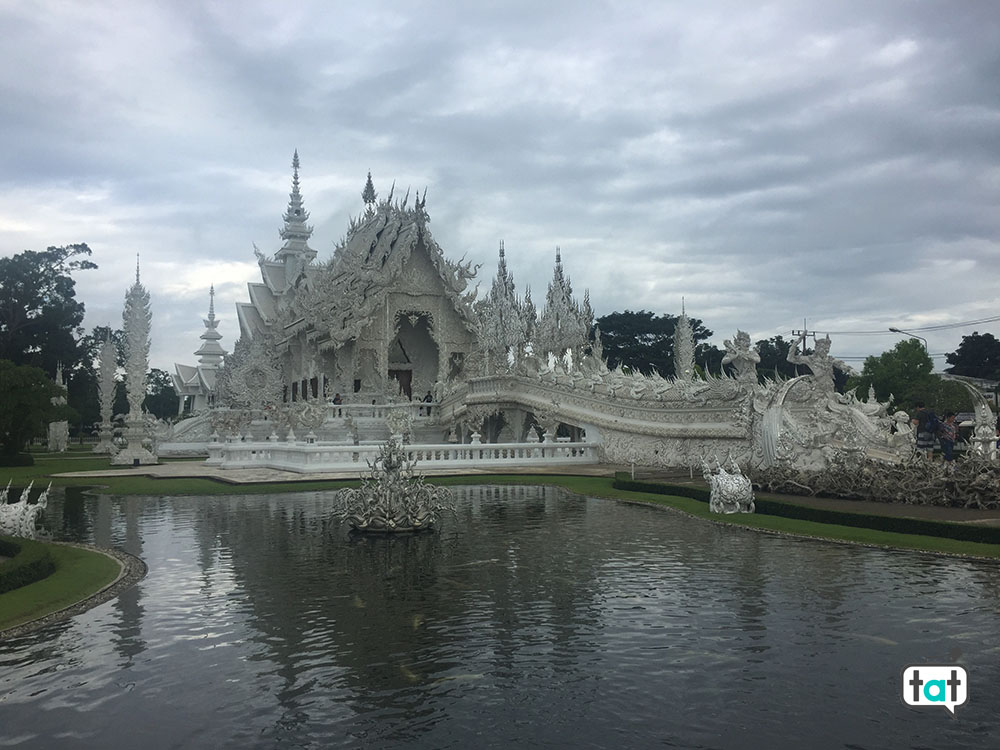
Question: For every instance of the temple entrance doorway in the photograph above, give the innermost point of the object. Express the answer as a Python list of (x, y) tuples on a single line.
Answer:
[(413, 355)]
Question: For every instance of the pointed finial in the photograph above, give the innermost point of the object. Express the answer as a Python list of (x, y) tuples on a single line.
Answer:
[(368, 195), (211, 301), (137, 268), (501, 248), (295, 173), (558, 256), (682, 306)]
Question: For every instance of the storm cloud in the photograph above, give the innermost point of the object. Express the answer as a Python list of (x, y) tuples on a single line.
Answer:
[(837, 163)]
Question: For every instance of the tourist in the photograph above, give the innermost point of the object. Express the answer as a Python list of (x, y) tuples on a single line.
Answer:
[(429, 398), (946, 436), (337, 399), (927, 423)]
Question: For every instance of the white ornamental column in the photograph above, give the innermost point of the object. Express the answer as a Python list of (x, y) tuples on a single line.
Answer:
[(137, 319), (106, 395)]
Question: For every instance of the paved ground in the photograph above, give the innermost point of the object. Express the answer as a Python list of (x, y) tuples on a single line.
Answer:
[(197, 469)]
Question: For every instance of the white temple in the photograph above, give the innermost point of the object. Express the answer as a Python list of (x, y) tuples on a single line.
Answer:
[(195, 384), (385, 338)]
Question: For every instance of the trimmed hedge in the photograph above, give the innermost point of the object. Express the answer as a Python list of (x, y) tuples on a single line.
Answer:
[(678, 490), (17, 459), (959, 531), (31, 562)]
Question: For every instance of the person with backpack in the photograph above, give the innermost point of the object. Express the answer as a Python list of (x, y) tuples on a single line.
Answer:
[(927, 425)]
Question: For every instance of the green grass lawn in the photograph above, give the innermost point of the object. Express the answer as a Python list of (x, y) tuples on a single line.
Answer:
[(79, 574), (602, 487)]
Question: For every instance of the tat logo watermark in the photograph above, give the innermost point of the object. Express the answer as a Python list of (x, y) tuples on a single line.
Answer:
[(933, 685)]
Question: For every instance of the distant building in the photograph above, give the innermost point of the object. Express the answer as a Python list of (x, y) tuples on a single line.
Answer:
[(195, 384)]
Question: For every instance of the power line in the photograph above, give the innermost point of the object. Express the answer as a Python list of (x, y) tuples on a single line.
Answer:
[(942, 327), (859, 359)]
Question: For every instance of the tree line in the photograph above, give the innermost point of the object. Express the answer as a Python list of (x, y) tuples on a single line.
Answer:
[(41, 329)]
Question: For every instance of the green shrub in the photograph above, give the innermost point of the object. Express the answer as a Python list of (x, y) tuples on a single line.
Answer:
[(959, 531), (31, 562), (17, 459)]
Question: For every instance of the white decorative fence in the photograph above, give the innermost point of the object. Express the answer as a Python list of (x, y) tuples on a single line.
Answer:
[(309, 458)]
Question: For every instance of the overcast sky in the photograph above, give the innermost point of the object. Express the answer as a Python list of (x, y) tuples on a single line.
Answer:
[(836, 162)]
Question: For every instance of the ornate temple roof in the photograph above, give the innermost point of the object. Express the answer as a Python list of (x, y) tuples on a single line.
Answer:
[(336, 299)]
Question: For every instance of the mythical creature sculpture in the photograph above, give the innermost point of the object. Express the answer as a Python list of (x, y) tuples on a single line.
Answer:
[(392, 498), (743, 358), (731, 491), (819, 362)]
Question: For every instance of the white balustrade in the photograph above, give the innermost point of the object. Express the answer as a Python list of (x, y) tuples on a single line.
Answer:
[(330, 457)]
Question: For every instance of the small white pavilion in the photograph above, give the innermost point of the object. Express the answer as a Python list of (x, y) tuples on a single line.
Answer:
[(195, 384)]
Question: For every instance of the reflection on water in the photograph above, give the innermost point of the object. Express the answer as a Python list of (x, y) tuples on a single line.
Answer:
[(534, 618)]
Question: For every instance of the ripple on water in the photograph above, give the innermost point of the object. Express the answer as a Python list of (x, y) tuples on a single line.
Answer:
[(533, 618)]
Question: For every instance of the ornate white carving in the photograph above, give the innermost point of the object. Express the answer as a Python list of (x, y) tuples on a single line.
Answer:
[(250, 377), (742, 357), (106, 395), (684, 349), (137, 319), (393, 498), (731, 491), (20, 518), (58, 431), (563, 324)]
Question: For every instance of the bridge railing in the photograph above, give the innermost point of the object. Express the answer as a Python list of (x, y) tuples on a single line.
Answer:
[(319, 457)]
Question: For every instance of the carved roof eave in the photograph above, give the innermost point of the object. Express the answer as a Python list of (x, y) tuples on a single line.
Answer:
[(393, 234)]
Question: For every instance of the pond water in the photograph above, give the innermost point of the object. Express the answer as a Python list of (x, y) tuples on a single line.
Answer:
[(533, 618)]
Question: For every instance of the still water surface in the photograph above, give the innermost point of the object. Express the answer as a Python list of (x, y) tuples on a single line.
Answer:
[(534, 618)]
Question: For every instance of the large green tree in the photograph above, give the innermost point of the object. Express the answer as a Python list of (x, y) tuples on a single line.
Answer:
[(40, 316), (643, 341), (978, 356), (161, 398), (26, 406), (83, 384), (904, 372), (774, 359)]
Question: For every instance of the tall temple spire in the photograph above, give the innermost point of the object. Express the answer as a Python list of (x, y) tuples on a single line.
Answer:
[(137, 268), (295, 232), (562, 324), (210, 353), (684, 364)]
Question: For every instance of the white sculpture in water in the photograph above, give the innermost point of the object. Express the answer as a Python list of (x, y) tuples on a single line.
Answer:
[(393, 498), (732, 492), (137, 319), (19, 519)]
